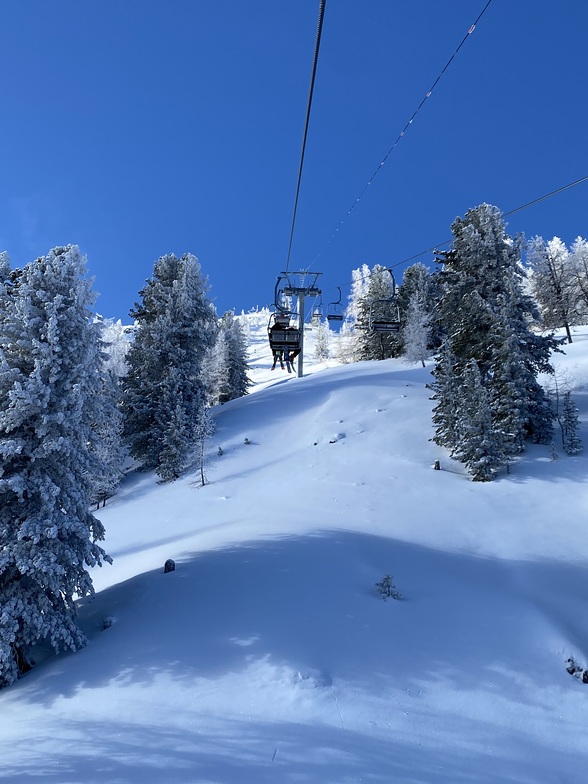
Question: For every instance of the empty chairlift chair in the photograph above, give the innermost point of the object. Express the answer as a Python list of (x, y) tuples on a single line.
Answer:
[(390, 322), (335, 312)]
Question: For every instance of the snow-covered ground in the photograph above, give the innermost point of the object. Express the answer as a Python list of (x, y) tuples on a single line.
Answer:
[(267, 657)]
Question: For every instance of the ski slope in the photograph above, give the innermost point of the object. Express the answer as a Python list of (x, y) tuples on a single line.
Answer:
[(267, 656)]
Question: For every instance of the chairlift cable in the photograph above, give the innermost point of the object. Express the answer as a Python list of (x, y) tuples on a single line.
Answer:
[(504, 215), (321, 14), (522, 207), (408, 124)]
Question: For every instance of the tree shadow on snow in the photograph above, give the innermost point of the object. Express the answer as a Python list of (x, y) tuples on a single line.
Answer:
[(308, 605), (242, 752)]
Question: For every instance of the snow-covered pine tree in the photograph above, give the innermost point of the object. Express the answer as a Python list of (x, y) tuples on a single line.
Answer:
[(447, 394), (345, 344), (579, 262), (416, 331), (108, 426), (418, 281), (109, 448), (49, 386), (214, 370), (323, 340), (206, 428), (481, 442), (553, 283), (227, 365), (520, 405), (116, 341), (509, 397), (376, 302), (4, 271), (481, 286), (237, 361), (164, 392), (359, 288), (570, 426)]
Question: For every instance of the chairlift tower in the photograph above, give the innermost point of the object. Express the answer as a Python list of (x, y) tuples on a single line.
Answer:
[(301, 285)]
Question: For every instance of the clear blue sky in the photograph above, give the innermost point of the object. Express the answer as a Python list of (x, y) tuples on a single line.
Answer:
[(135, 128)]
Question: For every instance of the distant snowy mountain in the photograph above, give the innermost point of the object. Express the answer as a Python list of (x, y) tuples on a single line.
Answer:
[(268, 656)]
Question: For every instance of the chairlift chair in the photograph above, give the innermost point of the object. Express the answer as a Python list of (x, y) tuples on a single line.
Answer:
[(335, 312), (282, 336), (390, 322), (378, 324), (316, 317)]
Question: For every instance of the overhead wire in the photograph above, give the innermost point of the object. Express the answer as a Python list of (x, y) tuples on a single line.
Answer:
[(504, 215), (522, 207), (317, 44), (471, 29)]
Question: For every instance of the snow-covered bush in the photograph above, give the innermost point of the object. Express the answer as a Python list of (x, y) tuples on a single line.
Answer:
[(386, 588)]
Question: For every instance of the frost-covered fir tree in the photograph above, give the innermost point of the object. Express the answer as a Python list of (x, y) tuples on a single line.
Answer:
[(4, 273), (214, 370), (108, 425), (553, 283), (482, 298), (323, 340), (376, 303), (226, 366), (116, 341), (480, 443), (417, 281), (570, 426), (237, 365), (109, 448), (164, 392), (359, 287), (579, 262), (509, 403), (447, 395), (520, 405), (345, 344), (50, 386), (416, 331)]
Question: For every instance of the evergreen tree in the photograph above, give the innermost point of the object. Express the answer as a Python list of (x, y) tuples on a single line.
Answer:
[(164, 392), (116, 341), (109, 449), (345, 345), (323, 337), (359, 287), (227, 365), (481, 443), (415, 335), (215, 370), (349, 337), (108, 425), (376, 304), (485, 313), (49, 386), (579, 262), (417, 281), (553, 283), (509, 398), (447, 394), (571, 441), (4, 271), (520, 405), (238, 364)]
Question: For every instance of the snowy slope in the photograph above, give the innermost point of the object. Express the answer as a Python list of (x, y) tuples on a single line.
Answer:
[(267, 656)]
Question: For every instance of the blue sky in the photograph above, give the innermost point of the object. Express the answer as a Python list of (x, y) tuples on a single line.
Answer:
[(135, 128)]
